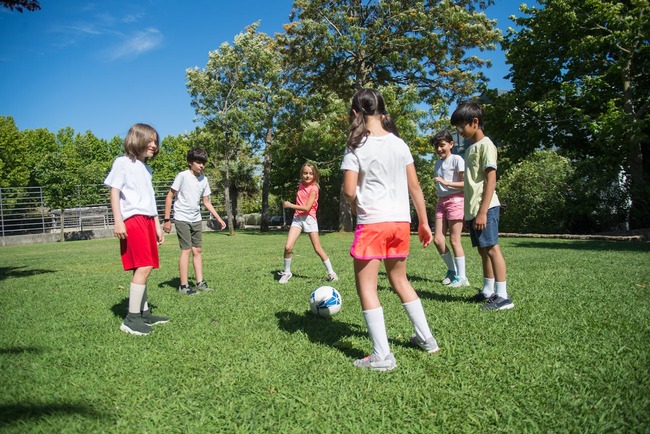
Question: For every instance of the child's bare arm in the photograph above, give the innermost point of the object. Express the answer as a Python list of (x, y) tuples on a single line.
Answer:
[(119, 227), (489, 187), (215, 214), (424, 231)]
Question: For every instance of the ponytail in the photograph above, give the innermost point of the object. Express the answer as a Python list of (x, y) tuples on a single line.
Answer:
[(367, 102)]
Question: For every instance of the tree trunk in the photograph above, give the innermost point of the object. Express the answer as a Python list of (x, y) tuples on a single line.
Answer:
[(346, 219), (266, 181), (62, 225), (226, 189)]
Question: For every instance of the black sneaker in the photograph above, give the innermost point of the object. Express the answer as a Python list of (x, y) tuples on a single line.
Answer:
[(185, 289), (150, 319), (481, 298), (498, 303)]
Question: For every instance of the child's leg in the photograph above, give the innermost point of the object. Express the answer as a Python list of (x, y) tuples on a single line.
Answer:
[(366, 276), (498, 270), (315, 242), (137, 288), (455, 230), (439, 232), (184, 265), (197, 260), (488, 272), (294, 232)]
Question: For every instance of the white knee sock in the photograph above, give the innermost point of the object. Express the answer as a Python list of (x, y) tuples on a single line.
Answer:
[(449, 261), (328, 266), (460, 266), (415, 313), (287, 265), (377, 329), (136, 293)]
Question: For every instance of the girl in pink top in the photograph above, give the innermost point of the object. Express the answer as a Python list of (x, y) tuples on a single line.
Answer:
[(304, 219)]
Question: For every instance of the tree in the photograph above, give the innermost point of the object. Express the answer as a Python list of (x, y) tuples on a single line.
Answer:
[(581, 77), (14, 171), (41, 144), (231, 96), (417, 47), (19, 5)]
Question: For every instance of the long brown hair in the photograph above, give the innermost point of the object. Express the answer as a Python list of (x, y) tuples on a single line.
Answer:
[(367, 102), (313, 169)]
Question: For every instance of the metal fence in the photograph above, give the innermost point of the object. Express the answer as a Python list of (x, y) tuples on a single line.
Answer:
[(24, 210)]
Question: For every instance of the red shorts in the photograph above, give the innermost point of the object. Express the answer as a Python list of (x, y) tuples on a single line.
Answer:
[(140, 248), (381, 241)]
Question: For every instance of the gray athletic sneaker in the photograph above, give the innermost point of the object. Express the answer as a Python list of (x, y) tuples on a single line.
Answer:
[(498, 303), (185, 289), (202, 286), (150, 319), (430, 345), (134, 325), (373, 363)]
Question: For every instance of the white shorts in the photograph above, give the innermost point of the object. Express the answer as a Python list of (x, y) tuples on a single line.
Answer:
[(305, 223)]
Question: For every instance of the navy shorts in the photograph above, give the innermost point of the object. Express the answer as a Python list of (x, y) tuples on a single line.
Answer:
[(490, 235)]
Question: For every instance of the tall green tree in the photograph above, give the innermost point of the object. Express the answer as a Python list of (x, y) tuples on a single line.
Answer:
[(581, 78), (14, 155), (41, 143), (226, 96), (404, 47)]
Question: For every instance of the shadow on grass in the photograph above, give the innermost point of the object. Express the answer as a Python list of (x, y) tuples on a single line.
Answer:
[(16, 272), (20, 350), (171, 283), (608, 246), (14, 413), (320, 330)]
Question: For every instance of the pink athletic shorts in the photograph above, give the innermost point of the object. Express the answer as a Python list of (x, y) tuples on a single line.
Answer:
[(451, 207), (381, 241), (140, 248)]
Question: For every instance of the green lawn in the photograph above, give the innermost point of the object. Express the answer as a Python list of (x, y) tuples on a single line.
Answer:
[(573, 356)]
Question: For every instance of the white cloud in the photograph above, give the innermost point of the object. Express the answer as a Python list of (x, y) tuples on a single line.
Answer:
[(136, 44)]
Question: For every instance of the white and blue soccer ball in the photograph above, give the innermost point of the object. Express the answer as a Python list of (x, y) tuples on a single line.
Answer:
[(325, 301)]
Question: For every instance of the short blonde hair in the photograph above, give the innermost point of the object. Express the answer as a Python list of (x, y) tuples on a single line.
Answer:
[(138, 138)]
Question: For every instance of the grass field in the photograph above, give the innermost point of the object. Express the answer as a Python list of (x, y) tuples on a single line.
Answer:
[(573, 356)]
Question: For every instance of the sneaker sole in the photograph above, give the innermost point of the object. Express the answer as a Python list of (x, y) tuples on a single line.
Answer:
[(377, 368), (504, 307), (130, 331), (156, 323)]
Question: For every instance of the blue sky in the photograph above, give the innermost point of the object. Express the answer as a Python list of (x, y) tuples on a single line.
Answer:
[(105, 65)]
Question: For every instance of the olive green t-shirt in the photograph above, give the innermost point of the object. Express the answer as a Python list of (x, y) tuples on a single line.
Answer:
[(478, 157)]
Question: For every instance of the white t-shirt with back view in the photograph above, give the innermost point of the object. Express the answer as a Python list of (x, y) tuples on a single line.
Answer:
[(382, 185), (190, 189), (133, 179)]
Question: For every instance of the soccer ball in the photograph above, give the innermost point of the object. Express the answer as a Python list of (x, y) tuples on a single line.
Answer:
[(325, 301)]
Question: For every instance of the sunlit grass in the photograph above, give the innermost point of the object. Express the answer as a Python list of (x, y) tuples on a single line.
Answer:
[(573, 355)]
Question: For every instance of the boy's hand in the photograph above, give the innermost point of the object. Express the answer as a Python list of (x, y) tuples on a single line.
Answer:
[(167, 227), (480, 222), (424, 232), (222, 223), (120, 230)]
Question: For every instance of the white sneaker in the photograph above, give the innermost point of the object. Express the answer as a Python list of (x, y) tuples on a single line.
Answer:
[(373, 363), (457, 282), (332, 277), (284, 276), (430, 345)]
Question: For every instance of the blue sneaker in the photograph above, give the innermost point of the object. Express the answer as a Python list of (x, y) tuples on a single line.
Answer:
[(498, 303), (457, 282), (448, 277)]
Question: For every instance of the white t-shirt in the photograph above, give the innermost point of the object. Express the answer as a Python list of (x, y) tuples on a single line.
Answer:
[(190, 189), (382, 186), (133, 179), (449, 169)]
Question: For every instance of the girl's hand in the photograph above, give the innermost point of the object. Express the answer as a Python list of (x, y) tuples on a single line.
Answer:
[(161, 236), (424, 232), (120, 230), (286, 204)]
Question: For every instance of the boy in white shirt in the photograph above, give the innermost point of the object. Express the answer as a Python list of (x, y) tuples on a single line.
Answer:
[(190, 187)]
